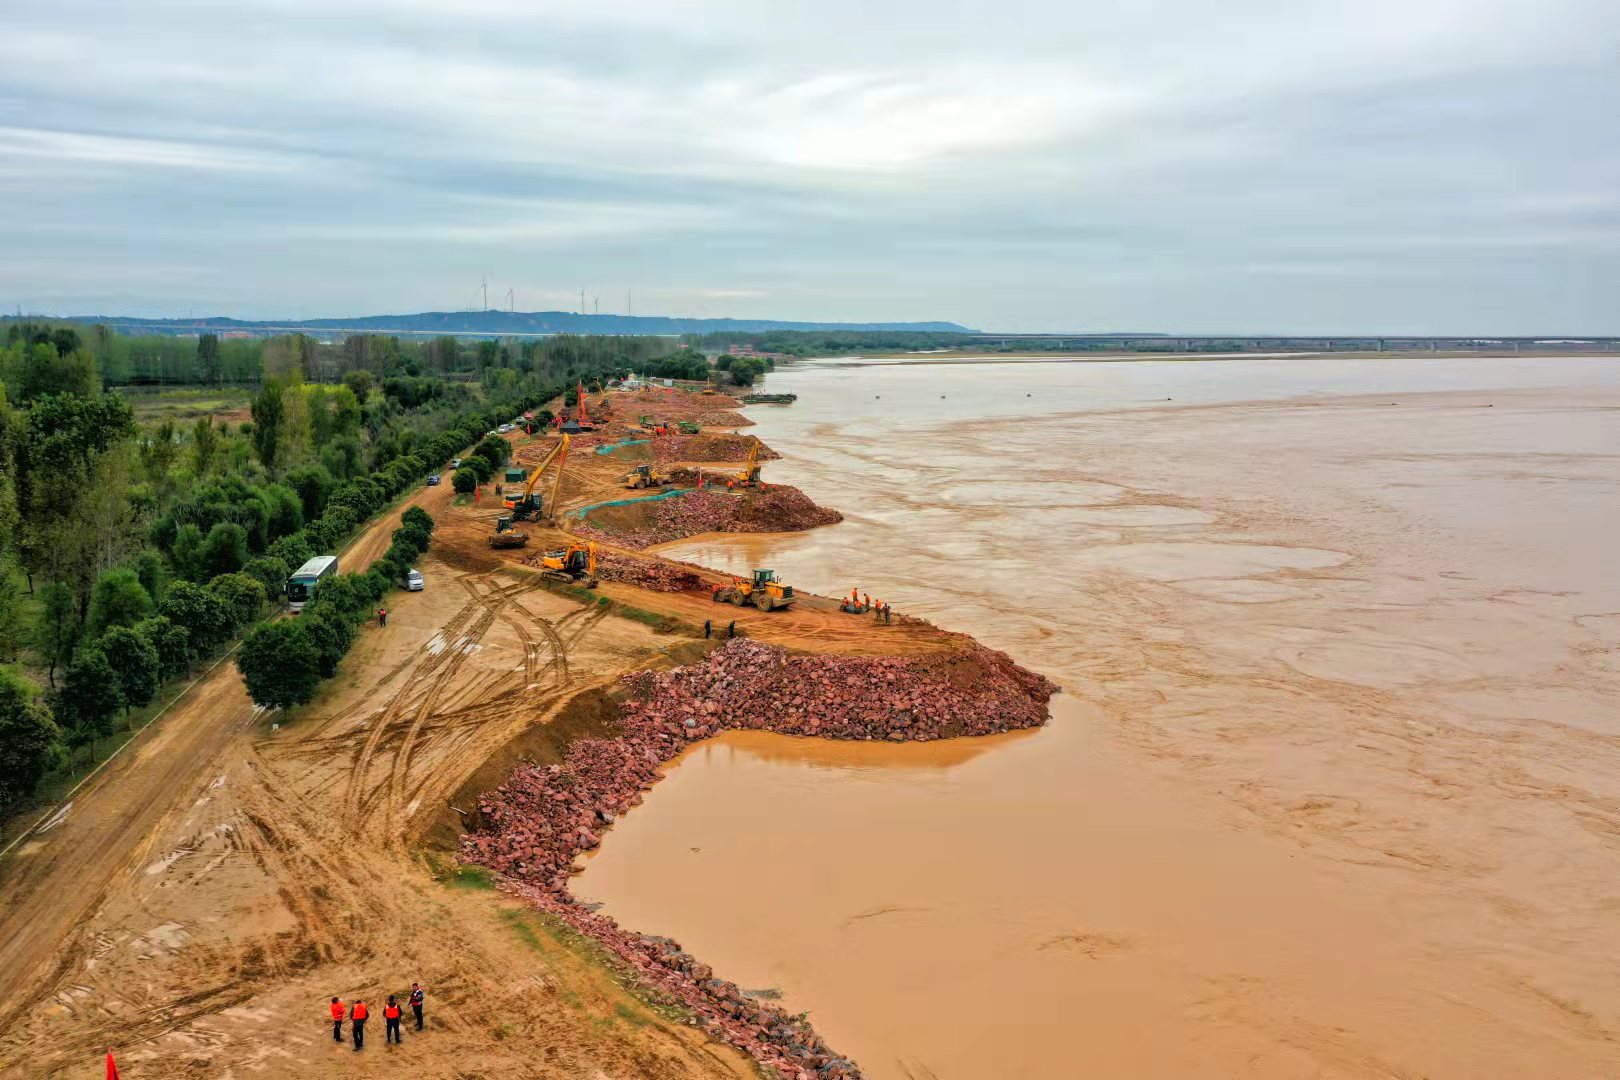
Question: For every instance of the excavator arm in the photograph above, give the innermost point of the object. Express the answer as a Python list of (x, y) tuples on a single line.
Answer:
[(750, 468), (556, 479), (557, 454)]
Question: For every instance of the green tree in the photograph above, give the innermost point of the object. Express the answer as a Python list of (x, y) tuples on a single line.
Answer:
[(285, 510), (135, 664), (205, 439), (90, 698), (170, 641), (333, 633), (117, 599), (208, 358), (358, 382), (271, 572), (58, 629), (14, 623), (496, 449), (242, 595), (200, 613), (152, 571), (268, 410), (313, 485), (280, 662), (745, 369), (30, 741), (224, 550), (465, 480), (419, 517), (187, 551)]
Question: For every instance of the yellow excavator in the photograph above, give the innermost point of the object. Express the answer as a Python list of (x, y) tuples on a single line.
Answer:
[(576, 562), (529, 506), (749, 477), (763, 591), (643, 476)]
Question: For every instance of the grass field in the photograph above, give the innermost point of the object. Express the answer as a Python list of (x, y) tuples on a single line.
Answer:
[(185, 403)]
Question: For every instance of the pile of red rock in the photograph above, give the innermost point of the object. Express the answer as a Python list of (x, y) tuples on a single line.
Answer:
[(534, 826), (653, 574), (774, 508), (706, 448)]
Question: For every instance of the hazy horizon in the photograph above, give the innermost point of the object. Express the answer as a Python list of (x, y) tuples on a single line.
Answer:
[(1419, 167)]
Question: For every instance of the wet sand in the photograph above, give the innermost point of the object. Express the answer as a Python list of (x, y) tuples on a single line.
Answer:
[(1332, 792)]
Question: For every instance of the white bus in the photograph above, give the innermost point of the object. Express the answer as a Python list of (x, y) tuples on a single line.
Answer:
[(301, 586)]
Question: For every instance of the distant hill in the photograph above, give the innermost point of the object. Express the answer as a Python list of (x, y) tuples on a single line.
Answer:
[(494, 323)]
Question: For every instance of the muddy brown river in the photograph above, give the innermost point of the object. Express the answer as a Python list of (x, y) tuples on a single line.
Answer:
[(1334, 787)]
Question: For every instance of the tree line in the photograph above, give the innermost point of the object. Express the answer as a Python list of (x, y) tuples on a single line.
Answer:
[(211, 360), (131, 554)]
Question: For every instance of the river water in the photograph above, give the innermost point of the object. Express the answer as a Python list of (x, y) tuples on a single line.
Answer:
[(1334, 786)]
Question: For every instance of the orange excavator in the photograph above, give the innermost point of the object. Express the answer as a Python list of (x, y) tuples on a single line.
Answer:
[(584, 417), (527, 505)]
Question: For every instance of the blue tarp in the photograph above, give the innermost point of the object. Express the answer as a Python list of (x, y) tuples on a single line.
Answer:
[(608, 448), (670, 494)]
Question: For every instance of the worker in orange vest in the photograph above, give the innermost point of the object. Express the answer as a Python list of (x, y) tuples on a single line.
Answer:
[(357, 1023), (391, 1021), (337, 1020)]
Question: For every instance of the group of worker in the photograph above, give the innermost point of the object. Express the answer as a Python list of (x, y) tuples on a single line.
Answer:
[(357, 1014), (860, 603), (708, 624)]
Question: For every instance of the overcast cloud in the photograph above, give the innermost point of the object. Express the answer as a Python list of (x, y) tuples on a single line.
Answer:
[(1398, 166)]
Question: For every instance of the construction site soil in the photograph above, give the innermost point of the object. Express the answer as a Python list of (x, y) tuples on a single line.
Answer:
[(645, 523), (196, 904)]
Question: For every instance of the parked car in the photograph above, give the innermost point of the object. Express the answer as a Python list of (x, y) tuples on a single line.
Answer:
[(455, 463), (504, 428), (414, 581), (433, 480)]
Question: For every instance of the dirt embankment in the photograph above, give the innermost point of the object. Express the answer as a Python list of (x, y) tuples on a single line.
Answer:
[(708, 410), (534, 826), (658, 521)]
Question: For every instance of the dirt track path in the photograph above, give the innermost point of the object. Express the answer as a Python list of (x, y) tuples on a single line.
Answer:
[(57, 876)]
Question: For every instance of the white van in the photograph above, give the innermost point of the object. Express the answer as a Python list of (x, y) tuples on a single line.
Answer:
[(414, 581)]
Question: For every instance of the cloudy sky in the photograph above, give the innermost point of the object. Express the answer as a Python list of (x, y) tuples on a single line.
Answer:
[(1419, 166)]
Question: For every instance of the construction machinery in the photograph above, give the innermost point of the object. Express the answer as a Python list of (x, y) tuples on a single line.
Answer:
[(749, 476), (574, 563), (763, 591), (688, 427), (528, 505), (583, 417), (643, 476), (505, 536)]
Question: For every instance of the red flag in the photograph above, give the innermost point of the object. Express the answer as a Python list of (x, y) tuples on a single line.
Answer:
[(112, 1067)]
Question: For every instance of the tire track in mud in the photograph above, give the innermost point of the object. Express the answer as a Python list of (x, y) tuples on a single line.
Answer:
[(439, 676)]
